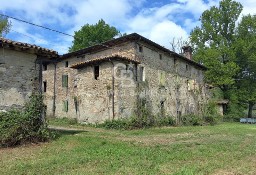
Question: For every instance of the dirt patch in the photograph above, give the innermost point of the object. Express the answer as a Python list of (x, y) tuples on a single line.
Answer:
[(225, 172)]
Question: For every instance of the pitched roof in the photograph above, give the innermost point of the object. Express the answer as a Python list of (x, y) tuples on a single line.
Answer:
[(25, 47), (126, 38), (96, 60)]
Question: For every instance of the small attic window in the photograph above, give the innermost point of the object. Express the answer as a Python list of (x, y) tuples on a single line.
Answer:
[(66, 64), (175, 61), (160, 56), (96, 72), (140, 49)]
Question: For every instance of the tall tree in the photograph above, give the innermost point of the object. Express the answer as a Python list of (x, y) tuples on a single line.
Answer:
[(90, 35), (213, 43), (246, 58), (5, 25)]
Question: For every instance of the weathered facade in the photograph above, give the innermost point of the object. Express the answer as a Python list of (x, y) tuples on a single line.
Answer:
[(107, 81), (20, 71)]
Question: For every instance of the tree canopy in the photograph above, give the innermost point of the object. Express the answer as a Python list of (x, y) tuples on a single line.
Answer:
[(246, 59), (228, 50), (213, 42), (90, 35), (5, 25)]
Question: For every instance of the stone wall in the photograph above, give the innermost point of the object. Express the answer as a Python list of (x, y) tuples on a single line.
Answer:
[(173, 85), (169, 84), (19, 77), (81, 84)]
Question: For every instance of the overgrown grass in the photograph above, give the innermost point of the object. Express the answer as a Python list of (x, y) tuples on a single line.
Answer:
[(63, 122), (221, 149)]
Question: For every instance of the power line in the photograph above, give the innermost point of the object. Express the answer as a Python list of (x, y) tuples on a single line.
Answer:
[(37, 25)]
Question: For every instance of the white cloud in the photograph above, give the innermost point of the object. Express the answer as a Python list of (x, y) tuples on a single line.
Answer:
[(159, 21), (165, 31)]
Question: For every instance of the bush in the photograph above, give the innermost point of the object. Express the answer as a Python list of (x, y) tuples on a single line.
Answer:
[(212, 119), (191, 120), (116, 124), (17, 127), (231, 118), (135, 123)]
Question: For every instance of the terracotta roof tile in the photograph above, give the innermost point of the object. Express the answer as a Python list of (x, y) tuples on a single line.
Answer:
[(92, 61), (26, 45)]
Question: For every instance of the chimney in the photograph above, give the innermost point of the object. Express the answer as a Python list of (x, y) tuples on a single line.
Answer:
[(187, 52)]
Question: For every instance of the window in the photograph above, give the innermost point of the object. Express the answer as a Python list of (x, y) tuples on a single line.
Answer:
[(162, 108), (45, 86), (96, 72), (66, 64), (44, 67), (175, 61), (160, 56), (186, 67), (126, 67), (140, 49), (142, 74), (65, 105), (64, 80)]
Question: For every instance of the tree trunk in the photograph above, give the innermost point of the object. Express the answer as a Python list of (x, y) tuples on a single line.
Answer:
[(251, 104)]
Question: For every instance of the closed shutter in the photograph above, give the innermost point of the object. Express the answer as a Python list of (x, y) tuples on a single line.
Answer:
[(65, 105), (64, 80)]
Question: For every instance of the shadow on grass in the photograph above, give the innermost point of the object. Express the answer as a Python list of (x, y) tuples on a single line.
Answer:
[(61, 131)]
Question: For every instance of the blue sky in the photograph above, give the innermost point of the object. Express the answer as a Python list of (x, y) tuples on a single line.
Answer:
[(160, 20)]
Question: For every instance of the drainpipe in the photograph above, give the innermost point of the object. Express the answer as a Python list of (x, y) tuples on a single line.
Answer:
[(113, 88), (54, 90)]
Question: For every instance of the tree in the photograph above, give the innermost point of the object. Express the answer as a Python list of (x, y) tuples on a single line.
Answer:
[(246, 58), (5, 25), (90, 35), (213, 44), (178, 43)]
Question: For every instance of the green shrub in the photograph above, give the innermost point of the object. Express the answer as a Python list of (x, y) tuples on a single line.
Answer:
[(135, 123), (28, 125), (231, 118), (191, 120), (116, 124), (212, 119)]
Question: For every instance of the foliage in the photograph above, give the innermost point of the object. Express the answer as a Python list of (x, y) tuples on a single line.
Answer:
[(246, 58), (17, 127), (136, 123), (90, 35), (191, 120), (213, 42), (5, 25), (197, 120)]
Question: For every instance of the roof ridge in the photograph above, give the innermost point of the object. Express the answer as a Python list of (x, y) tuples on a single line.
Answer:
[(32, 46)]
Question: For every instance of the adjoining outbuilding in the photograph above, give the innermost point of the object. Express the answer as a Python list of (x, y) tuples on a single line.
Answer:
[(20, 71)]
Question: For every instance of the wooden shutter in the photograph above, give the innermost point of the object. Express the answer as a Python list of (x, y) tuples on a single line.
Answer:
[(65, 105), (64, 80)]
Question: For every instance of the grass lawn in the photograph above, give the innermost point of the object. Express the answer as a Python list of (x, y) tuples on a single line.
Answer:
[(228, 148)]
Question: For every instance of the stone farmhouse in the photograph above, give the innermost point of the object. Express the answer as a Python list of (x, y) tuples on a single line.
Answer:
[(105, 81), (111, 79), (20, 72)]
